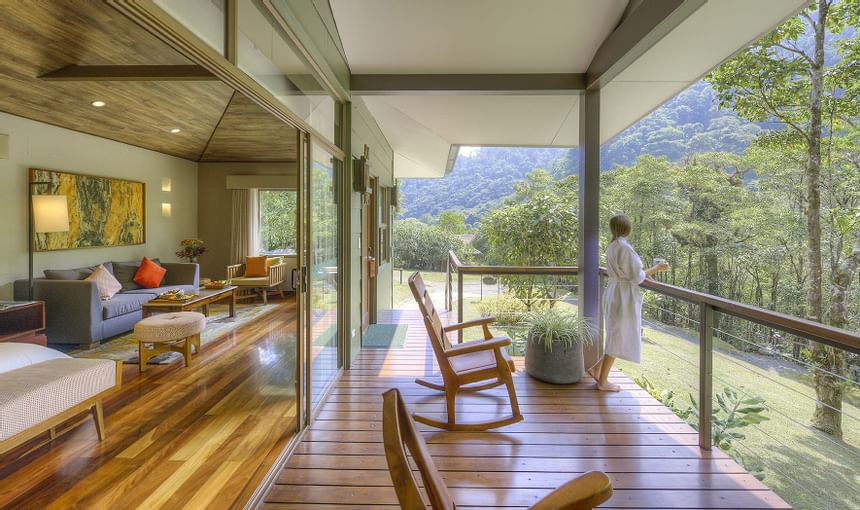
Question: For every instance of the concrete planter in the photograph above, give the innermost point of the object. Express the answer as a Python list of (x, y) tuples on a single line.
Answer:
[(562, 365)]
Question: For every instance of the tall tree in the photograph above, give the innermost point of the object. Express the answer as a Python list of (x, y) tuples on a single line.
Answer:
[(787, 77)]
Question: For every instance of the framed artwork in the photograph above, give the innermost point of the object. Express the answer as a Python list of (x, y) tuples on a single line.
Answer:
[(103, 211)]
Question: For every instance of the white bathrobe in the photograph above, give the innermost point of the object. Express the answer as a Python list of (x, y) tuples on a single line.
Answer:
[(622, 301)]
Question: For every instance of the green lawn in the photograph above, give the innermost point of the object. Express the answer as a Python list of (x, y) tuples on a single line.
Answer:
[(808, 468)]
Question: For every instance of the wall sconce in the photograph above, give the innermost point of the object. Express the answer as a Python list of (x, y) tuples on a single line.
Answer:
[(165, 209), (165, 184)]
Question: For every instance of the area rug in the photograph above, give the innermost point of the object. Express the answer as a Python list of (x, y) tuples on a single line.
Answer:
[(383, 336), (124, 347)]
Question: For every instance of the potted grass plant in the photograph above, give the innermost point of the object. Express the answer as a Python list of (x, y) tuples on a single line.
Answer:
[(554, 345)]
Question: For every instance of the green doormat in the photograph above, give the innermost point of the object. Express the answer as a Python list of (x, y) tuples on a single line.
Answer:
[(383, 336)]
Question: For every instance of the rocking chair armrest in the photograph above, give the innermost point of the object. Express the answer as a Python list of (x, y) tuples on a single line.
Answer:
[(479, 345), (469, 324), (581, 493)]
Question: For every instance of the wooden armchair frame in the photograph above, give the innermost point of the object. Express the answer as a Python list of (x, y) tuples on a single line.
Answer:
[(277, 275), (467, 367), (400, 436)]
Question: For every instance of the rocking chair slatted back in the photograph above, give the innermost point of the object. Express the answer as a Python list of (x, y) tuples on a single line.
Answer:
[(425, 304), (399, 436)]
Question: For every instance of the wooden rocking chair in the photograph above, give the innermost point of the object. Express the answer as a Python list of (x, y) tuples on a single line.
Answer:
[(399, 436), (472, 366)]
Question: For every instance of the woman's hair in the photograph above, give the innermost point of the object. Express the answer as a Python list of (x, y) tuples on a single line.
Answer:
[(619, 225)]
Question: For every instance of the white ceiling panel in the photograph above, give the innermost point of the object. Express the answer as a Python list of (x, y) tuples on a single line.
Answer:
[(423, 128), (473, 36)]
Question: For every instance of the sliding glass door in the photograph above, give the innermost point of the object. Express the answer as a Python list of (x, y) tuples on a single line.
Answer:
[(321, 267)]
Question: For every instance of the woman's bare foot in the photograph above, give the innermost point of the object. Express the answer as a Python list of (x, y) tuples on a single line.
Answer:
[(595, 372), (608, 386)]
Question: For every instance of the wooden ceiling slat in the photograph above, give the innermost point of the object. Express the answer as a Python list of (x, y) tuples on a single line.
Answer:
[(131, 73), (247, 132)]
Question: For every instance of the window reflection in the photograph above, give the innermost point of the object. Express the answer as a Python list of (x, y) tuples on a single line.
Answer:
[(205, 18), (266, 53)]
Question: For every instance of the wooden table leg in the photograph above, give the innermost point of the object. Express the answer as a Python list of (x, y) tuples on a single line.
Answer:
[(233, 303), (141, 358), (206, 310)]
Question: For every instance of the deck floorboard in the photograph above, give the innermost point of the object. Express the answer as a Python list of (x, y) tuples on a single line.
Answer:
[(650, 454)]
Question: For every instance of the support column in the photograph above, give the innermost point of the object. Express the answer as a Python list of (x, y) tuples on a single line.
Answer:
[(589, 217)]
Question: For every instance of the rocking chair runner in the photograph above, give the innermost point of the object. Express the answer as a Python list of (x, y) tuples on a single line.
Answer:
[(399, 436), (472, 366)]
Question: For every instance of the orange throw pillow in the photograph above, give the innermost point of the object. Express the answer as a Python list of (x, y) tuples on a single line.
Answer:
[(256, 266), (149, 274)]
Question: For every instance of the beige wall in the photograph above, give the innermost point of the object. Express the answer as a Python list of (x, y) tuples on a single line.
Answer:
[(214, 208), (34, 144)]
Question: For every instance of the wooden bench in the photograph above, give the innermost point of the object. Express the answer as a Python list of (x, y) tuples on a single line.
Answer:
[(34, 399)]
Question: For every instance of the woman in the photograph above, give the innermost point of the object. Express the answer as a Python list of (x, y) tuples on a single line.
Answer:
[(622, 302)]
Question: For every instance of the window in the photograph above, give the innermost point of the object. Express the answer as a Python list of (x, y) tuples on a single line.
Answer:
[(384, 215), (276, 222)]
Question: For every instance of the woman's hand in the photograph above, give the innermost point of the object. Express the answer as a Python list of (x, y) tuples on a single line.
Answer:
[(657, 268)]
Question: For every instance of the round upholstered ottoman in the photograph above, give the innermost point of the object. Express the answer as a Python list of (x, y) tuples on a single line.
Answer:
[(175, 331)]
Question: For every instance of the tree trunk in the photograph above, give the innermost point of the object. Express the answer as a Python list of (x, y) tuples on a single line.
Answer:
[(827, 416), (712, 267), (830, 359)]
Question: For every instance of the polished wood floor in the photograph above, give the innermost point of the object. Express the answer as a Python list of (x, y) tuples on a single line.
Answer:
[(650, 454), (198, 437)]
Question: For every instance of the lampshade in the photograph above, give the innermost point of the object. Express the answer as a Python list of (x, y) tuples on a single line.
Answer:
[(50, 213)]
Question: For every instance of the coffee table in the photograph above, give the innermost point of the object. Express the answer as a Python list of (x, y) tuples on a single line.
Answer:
[(204, 298)]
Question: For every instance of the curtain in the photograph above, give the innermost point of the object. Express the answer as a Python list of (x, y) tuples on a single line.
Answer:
[(240, 226)]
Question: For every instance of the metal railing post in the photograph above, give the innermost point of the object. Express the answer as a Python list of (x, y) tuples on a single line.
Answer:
[(459, 305), (448, 284), (706, 374)]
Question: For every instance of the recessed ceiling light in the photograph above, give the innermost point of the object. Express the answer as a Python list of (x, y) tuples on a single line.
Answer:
[(98, 104), (175, 130)]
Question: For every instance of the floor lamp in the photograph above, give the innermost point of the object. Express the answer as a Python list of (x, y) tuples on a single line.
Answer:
[(48, 213)]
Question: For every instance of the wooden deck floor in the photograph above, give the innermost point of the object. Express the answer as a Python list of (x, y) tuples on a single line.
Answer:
[(650, 454), (201, 437)]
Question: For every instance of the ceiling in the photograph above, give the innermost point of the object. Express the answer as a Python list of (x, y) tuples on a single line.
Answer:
[(539, 36), (214, 123), (477, 36)]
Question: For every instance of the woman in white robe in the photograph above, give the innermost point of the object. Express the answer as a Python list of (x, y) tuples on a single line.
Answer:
[(622, 302)]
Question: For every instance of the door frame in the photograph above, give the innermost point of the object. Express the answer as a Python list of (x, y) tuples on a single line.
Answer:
[(369, 254)]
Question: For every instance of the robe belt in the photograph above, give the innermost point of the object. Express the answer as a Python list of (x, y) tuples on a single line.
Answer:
[(618, 280)]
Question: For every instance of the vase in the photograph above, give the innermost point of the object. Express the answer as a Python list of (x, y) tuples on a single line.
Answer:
[(562, 365)]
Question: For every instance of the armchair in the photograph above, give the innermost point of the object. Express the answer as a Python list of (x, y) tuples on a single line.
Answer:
[(248, 285)]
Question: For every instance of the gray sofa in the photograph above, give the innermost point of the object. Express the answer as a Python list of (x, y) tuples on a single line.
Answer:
[(74, 312)]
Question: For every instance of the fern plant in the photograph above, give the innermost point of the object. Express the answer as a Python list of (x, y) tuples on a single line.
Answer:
[(552, 326)]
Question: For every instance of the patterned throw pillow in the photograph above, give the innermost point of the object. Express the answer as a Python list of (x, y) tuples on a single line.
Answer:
[(105, 281)]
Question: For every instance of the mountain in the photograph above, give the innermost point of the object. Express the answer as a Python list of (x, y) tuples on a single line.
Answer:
[(688, 123)]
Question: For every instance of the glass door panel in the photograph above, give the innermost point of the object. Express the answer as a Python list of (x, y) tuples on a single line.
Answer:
[(323, 267)]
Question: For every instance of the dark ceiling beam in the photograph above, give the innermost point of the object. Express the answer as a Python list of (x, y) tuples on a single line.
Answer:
[(641, 29), (466, 84), (130, 73)]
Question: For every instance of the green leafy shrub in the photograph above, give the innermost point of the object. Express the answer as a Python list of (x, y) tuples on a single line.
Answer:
[(733, 412), (506, 308)]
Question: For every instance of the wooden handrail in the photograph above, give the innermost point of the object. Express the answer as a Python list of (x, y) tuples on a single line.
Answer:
[(822, 333)]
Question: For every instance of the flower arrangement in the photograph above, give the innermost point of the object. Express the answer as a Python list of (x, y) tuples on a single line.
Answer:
[(191, 249)]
